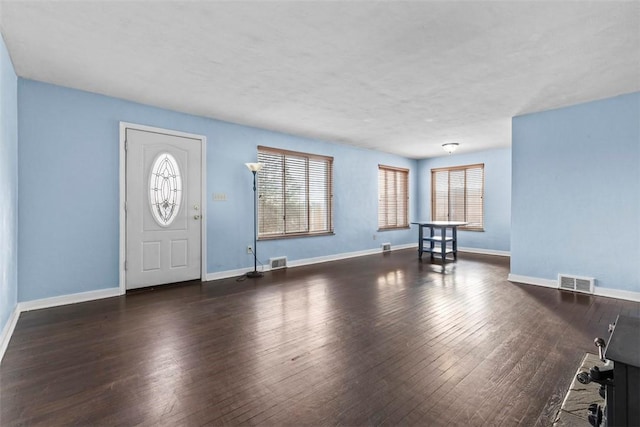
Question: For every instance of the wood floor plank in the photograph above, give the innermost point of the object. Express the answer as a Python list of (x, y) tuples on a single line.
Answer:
[(376, 340)]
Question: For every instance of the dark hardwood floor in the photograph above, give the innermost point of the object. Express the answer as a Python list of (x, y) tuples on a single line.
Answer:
[(376, 340)]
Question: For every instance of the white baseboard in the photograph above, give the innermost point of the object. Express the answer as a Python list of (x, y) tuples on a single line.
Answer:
[(617, 293), (230, 273), (346, 255), (405, 246), (308, 261), (547, 283), (7, 331), (485, 251), (334, 257), (48, 303), (598, 291), (68, 299)]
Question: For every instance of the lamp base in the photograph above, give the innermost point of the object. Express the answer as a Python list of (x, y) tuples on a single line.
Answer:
[(254, 274)]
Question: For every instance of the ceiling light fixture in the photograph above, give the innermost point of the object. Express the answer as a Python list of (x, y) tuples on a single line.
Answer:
[(450, 147)]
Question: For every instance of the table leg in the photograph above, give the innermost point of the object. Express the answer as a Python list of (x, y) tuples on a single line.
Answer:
[(454, 234), (431, 242), (443, 243), (420, 242)]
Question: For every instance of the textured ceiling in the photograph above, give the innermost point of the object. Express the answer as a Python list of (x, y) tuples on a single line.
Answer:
[(401, 77)]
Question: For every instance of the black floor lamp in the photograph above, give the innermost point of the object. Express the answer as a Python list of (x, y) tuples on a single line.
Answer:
[(254, 168)]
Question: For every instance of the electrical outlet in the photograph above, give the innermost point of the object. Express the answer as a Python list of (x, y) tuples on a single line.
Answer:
[(375, 237), (249, 249)]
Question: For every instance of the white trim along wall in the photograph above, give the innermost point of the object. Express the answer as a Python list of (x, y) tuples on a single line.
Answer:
[(308, 261), (49, 303), (598, 291), (114, 292), (5, 337), (485, 251)]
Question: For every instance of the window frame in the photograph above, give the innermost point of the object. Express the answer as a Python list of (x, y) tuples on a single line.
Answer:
[(329, 196), (457, 168), (405, 171)]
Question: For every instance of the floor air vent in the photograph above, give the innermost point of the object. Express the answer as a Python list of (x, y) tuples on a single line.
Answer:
[(386, 247), (575, 283), (278, 263)]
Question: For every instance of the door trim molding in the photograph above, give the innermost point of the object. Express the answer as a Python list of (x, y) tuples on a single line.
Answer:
[(123, 191)]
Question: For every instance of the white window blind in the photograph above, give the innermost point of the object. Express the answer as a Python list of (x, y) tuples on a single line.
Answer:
[(295, 194), (457, 195), (393, 197)]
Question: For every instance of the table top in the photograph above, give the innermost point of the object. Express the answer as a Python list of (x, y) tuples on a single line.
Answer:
[(441, 223)]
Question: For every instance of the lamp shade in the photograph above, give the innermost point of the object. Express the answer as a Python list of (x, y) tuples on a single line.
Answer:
[(254, 167)]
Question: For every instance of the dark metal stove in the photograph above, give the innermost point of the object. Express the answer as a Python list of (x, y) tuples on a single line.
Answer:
[(620, 378)]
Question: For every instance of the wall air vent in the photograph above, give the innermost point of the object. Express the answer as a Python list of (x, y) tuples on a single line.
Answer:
[(278, 263), (386, 247), (576, 283)]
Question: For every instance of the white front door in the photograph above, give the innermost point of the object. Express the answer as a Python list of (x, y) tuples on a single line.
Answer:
[(163, 208)]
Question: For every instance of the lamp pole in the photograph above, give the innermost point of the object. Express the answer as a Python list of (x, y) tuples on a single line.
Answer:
[(254, 168)]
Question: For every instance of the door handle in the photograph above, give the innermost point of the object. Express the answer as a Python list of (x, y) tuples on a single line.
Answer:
[(196, 217)]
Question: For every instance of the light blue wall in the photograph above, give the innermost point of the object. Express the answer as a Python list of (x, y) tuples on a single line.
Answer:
[(497, 196), (69, 184), (8, 186), (576, 193)]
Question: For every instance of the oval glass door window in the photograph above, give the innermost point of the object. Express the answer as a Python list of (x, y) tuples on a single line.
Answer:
[(165, 189)]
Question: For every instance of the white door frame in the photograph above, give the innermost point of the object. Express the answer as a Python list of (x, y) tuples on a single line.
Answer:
[(123, 194)]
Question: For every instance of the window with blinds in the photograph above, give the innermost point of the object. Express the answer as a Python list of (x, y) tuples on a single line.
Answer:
[(393, 197), (457, 195), (294, 194)]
